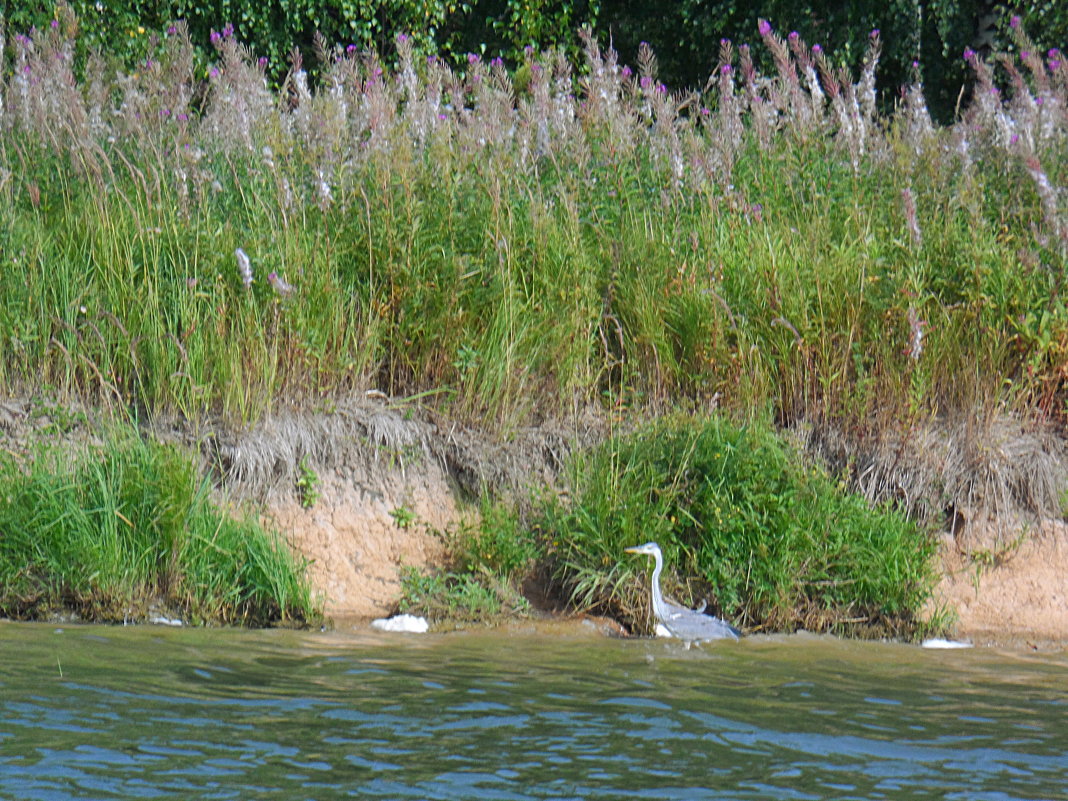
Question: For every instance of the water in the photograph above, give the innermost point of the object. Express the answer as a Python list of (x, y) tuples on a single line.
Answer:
[(102, 713)]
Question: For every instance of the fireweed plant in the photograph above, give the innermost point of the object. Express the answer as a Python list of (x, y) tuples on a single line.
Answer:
[(538, 239)]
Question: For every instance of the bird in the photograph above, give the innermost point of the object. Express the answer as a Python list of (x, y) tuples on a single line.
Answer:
[(688, 625)]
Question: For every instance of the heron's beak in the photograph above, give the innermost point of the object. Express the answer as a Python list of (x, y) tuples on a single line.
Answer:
[(633, 549)]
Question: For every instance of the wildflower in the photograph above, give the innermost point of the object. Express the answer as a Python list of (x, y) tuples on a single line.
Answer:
[(55, 24), (793, 36), (262, 62), (351, 49), (916, 326), (626, 71), (646, 82), (402, 38), (244, 268), (172, 30), (874, 34), (817, 49), (1025, 54), (473, 58), (1014, 21), (215, 38), (279, 285), (969, 54), (764, 27), (228, 31), (497, 62), (726, 69)]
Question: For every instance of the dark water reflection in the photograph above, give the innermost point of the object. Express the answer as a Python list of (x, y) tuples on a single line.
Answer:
[(93, 713)]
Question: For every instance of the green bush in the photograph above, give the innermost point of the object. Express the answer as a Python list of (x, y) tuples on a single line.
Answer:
[(772, 540), (128, 526)]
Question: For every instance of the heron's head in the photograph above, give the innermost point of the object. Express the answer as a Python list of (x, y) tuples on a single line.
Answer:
[(650, 548)]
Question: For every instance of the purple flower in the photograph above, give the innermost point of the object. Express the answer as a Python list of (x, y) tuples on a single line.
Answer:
[(262, 62), (915, 65), (705, 112), (1039, 100), (724, 42), (1014, 139), (214, 72), (497, 62), (661, 88), (228, 30), (764, 27), (1054, 64), (726, 69), (183, 117), (402, 38), (443, 116), (626, 71), (528, 50), (794, 35), (1014, 21), (149, 63), (969, 54), (1024, 55), (351, 49), (172, 30), (165, 112), (995, 91), (874, 34), (817, 49), (214, 37), (1054, 53), (646, 82), (55, 24), (473, 58)]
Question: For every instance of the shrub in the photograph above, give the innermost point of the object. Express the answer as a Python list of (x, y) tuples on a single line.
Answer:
[(774, 541)]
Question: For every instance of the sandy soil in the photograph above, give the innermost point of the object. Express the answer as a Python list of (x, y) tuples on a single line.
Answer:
[(358, 540), (1015, 592)]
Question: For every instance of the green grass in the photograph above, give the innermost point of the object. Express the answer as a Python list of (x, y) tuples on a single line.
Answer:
[(127, 526), (511, 272), (770, 540)]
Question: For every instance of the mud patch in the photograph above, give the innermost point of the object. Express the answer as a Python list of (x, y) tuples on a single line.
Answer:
[(365, 529), (1013, 594)]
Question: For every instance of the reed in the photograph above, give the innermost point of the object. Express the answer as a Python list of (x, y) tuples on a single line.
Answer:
[(521, 243)]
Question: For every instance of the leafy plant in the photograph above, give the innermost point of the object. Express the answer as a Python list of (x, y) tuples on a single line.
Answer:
[(307, 484)]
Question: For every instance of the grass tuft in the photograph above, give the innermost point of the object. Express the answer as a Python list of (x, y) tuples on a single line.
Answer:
[(128, 526), (771, 540)]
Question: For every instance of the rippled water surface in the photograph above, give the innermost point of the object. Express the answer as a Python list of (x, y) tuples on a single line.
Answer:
[(100, 713)]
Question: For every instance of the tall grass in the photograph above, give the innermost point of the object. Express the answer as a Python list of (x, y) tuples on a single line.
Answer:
[(557, 236), (128, 526), (771, 540)]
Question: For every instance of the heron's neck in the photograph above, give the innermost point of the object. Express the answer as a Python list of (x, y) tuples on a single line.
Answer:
[(658, 599)]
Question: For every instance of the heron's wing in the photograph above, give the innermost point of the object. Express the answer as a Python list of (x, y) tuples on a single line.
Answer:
[(674, 606), (693, 626)]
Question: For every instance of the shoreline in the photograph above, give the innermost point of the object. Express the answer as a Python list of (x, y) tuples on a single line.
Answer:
[(389, 486)]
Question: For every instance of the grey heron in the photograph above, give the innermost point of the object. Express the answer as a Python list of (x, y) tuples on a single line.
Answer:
[(688, 625)]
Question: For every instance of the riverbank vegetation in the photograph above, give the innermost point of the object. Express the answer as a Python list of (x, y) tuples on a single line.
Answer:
[(511, 246), (517, 246), (126, 530)]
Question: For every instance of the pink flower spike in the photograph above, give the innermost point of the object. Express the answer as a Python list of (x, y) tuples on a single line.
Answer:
[(817, 49), (764, 27)]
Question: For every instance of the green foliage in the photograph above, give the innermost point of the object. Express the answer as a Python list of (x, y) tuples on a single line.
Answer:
[(490, 561), (774, 541), (128, 525), (307, 485)]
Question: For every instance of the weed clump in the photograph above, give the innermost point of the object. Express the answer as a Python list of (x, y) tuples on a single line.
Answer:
[(772, 540), (128, 526)]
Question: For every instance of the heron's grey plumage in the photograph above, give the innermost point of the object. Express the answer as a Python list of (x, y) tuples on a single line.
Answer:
[(688, 625)]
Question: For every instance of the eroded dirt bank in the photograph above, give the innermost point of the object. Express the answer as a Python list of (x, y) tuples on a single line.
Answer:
[(372, 488), (393, 490)]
